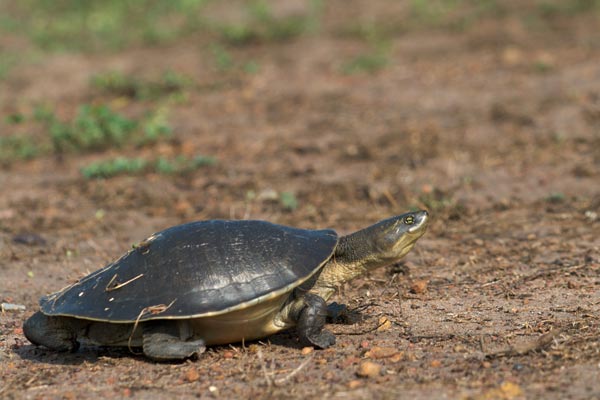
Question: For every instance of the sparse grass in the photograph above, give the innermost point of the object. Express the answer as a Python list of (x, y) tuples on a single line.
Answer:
[(435, 199), (263, 26), (224, 61), (452, 14), (549, 8), (374, 59), (94, 128), (134, 166), (555, 198), (97, 127), (369, 62), (18, 147), (170, 84), (94, 25)]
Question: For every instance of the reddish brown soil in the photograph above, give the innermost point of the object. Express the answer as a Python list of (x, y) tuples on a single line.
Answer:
[(496, 130)]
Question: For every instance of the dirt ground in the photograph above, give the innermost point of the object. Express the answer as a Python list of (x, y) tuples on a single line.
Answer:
[(494, 129)]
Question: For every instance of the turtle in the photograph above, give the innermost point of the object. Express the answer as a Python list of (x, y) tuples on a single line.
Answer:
[(216, 282)]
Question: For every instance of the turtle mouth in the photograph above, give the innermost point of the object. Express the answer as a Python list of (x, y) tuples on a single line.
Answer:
[(422, 219)]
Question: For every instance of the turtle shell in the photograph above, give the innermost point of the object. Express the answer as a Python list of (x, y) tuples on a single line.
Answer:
[(197, 269)]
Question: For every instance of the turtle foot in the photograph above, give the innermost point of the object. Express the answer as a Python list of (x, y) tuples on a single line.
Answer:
[(312, 320), (161, 345)]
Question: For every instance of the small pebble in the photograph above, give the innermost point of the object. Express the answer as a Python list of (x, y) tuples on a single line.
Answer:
[(192, 375), (435, 363), (384, 324), (419, 287), (30, 239), (364, 344), (228, 354), (381, 352), (12, 307), (368, 369), (307, 350), (354, 384)]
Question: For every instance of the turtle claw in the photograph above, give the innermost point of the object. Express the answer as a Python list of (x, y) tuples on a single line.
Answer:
[(323, 340)]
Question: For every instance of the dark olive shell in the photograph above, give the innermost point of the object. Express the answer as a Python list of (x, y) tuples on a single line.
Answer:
[(197, 269)]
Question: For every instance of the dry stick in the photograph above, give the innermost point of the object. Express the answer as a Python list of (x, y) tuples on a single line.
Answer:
[(263, 366), (110, 288), (303, 364), (157, 309), (379, 325), (539, 343)]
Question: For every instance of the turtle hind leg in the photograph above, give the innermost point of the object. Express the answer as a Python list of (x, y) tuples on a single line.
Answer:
[(56, 333), (312, 320), (162, 342)]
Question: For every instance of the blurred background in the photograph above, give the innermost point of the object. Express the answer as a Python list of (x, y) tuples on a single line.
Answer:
[(121, 118)]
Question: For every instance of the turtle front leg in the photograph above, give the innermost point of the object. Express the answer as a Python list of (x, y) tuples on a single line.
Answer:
[(56, 333), (162, 341), (311, 321)]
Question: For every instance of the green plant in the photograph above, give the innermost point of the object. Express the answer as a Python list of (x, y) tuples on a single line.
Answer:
[(133, 166), (116, 83), (97, 128), (110, 168), (263, 26), (94, 128), (18, 147), (369, 62), (156, 127), (223, 59), (288, 200), (93, 25)]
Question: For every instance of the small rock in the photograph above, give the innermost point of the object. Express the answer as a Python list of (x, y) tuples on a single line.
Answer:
[(228, 354), (192, 375), (419, 287), (435, 363), (364, 344), (307, 350), (29, 239), (384, 324), (512, 56), (573, 285), (349, 361), (368, 369), (381, 352), (486, 364), (11, 307), (354, 384)]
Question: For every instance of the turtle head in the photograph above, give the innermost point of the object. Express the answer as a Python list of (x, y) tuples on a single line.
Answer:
[(392, 238), (383, 243)]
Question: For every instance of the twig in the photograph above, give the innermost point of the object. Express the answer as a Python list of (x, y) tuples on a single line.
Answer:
[(263, 366), (357, 333), (303, 364), (523, 349), (110, 288), (157, 309)]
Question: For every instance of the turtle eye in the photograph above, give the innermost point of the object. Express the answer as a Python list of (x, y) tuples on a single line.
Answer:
[(409, 220)]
